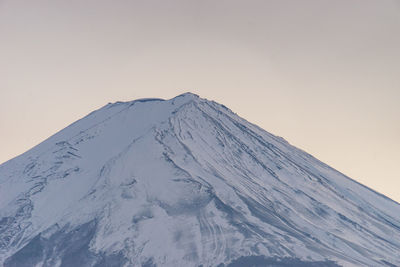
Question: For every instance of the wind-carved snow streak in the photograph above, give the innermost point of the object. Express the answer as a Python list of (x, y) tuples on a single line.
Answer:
[(15, 227), (273, 154), (185, 182)]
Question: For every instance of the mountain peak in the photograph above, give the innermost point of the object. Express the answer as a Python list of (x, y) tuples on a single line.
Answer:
[(183, 98), (188, 95)]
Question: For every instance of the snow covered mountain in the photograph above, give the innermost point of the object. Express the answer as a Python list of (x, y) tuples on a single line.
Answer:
[(185, 182)]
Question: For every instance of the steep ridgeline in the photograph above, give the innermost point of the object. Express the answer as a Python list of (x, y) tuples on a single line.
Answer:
[(185, 182)]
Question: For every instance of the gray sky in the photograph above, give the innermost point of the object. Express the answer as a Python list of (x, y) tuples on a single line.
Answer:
[(325, 75)]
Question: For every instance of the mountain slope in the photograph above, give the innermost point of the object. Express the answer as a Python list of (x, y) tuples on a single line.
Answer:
[(185, 182)]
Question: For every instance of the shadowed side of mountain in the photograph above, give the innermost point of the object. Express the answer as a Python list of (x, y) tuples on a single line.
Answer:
[(262, 261)]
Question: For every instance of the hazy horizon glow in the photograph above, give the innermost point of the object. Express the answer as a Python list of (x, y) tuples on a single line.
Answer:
[(325, 75)]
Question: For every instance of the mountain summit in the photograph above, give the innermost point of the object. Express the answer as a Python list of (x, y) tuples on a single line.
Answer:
[(185, 182)]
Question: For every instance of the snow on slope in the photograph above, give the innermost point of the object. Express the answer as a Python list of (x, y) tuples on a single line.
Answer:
[(185, 182)]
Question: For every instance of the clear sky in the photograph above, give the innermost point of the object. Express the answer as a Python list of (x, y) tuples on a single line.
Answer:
[(325, 75)]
